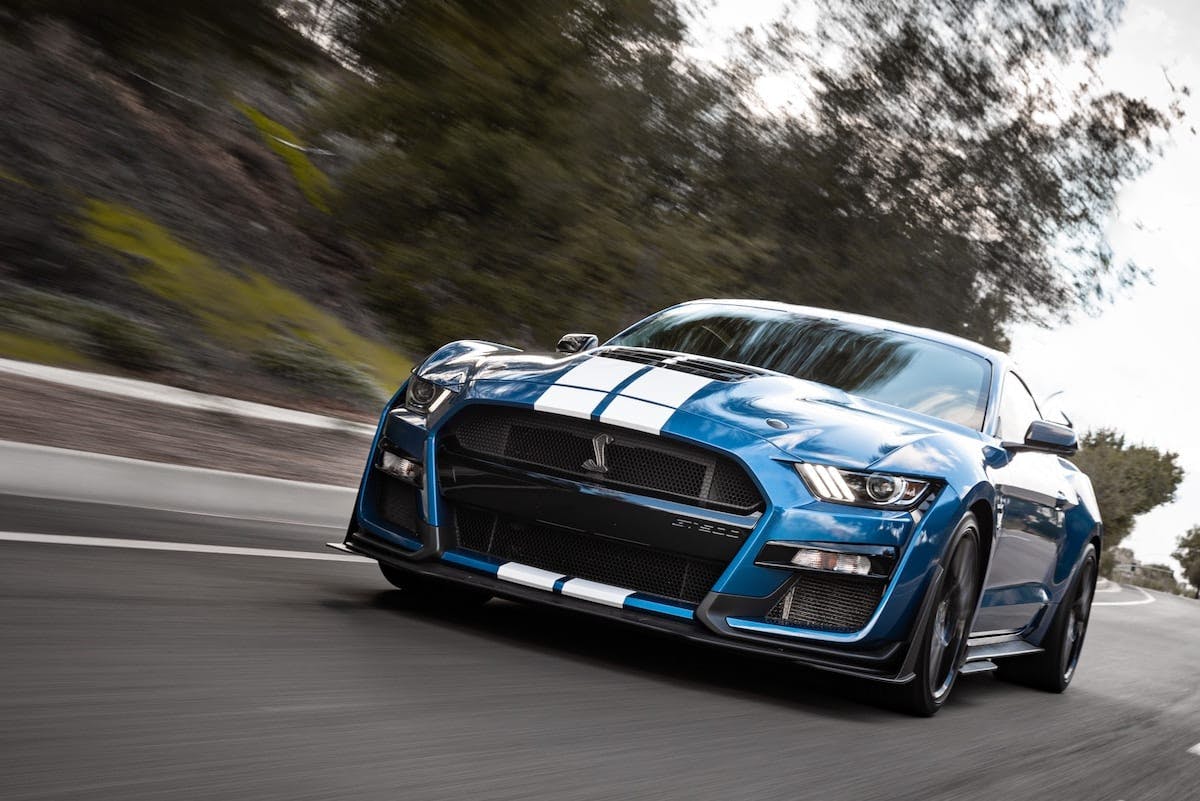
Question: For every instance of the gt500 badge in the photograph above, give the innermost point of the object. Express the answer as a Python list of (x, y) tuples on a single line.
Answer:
[(705, 527)]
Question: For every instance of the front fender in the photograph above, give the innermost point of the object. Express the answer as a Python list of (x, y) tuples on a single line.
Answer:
[(453, 364)]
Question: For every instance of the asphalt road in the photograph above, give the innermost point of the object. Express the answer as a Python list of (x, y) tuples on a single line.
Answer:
[(145, 674)]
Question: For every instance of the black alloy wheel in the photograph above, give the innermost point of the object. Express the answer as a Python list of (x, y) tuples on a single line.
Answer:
[(943, 643)]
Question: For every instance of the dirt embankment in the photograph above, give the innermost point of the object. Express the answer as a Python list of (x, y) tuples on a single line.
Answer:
[(44, 413)]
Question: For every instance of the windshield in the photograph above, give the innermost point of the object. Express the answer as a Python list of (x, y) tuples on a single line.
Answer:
[(887, 366)]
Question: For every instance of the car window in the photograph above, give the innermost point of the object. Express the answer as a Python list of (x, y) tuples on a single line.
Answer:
[(1017, 410), (887, 366)]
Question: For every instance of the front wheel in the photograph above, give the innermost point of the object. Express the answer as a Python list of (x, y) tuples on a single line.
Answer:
[(943, 642), (1053, 669)]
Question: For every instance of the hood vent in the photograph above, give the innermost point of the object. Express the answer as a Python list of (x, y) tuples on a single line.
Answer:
[(696, 365)]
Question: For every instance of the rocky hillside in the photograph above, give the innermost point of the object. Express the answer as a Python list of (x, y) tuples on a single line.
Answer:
[(160, 215)]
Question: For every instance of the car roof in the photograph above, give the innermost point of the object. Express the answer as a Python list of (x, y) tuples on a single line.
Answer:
[(999, 358)]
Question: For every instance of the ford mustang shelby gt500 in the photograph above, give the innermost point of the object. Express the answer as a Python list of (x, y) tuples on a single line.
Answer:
[(850, 493)]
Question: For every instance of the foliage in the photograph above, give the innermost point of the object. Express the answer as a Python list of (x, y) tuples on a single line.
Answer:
[(251, 27), (559, 165), (287, 145), (242, 310), (28, 348), (1187, 553), (127, 343), (316, 371), (1129, 480), (58, 328)]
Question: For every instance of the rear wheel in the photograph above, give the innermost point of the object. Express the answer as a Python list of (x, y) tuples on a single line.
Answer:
[(1053, 669), (441, 594), (943, 642)]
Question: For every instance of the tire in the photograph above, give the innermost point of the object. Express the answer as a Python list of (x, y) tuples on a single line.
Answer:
[(1053, 669), (942, 643), (439, 594)]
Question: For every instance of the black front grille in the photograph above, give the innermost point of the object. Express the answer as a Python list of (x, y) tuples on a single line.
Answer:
[(828, 602), (589, 556), (637, 462), (399, 503)]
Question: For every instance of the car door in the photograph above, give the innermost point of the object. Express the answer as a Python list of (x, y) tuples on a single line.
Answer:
[(1032, 496)]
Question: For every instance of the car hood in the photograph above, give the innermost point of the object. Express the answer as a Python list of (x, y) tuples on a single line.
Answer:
[(803, 419)]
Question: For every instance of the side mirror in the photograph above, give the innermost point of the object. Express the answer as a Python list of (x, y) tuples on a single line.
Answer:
[(577, 343), (1049, 438)]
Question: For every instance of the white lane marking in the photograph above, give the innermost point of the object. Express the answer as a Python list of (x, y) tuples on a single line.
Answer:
[(1104, 585), (596, 592), (528, 576), (599, 373), (1195, 749), (636, 414), (570, 401), (668, 387), (162, 545), (1146, 599)]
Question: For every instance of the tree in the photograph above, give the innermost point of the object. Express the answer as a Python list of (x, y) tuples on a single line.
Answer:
[(1188, 554), (1129, 480), (548, 165)]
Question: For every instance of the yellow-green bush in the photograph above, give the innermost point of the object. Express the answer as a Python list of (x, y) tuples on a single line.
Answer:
[(240, 310), (312, 182), (28, 348)]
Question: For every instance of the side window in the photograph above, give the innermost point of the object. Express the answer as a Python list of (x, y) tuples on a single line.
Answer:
[(1017, 410)]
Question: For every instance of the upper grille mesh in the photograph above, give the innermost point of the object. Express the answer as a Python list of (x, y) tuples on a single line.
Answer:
[(637, 462), (827, 602)]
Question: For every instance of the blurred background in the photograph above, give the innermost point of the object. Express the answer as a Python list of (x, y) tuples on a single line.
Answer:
[(229, 228), (290, 201)]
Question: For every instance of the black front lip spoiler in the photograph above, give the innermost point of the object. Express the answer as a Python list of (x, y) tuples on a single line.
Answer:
[(889, 664)]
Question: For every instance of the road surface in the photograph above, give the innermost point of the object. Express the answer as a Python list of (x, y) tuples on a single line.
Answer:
[(128, 673)]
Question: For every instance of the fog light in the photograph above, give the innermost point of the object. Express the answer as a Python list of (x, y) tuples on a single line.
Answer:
[(852, 563), (401, 468)]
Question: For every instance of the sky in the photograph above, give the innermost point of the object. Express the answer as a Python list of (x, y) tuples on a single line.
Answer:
[(1134, 366)]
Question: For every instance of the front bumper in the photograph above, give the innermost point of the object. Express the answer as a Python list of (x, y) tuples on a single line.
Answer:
[(890, 663)]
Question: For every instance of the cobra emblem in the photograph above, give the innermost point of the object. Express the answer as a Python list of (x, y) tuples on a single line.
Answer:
[(600, 444)]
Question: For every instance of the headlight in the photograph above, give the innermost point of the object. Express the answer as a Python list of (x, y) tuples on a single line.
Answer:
[(879, 490), (424, 397)]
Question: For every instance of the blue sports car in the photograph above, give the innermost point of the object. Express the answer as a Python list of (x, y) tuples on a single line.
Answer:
[(845, 492)]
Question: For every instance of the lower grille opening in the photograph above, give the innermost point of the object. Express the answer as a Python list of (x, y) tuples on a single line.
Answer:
[(399, 503), (828, 602), (589, 556)]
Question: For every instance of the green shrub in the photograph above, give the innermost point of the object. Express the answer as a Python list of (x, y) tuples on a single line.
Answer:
[(126, 343), (315, 371)]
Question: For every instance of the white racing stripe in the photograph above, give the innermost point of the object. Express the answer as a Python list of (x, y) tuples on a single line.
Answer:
[(161, 545), (528, 576), (668, 387), (571, 401), (1146, 598), (599, 373), (636, 414), (596, 592)]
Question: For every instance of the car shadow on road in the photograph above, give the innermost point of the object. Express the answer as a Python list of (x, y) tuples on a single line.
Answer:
[(660, 657)]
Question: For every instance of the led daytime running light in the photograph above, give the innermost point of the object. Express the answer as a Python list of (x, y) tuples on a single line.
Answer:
[(879, 490)]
